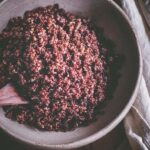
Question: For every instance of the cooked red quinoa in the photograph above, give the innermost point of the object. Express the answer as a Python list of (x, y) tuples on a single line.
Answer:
[(59, 66)]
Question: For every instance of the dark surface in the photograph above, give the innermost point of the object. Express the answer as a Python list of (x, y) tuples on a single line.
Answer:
[(109, 142)]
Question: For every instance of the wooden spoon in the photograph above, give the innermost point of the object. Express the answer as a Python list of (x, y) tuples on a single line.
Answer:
[(9, 96)]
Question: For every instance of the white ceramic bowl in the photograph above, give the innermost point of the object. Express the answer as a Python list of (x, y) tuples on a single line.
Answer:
[(106, 14)]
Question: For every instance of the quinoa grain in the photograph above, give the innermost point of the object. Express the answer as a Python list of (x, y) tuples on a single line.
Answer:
[(59, 66)]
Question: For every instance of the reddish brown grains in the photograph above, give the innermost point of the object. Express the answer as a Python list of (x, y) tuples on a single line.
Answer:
[(59, 66)]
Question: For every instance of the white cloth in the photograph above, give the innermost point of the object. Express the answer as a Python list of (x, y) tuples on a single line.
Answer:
[(137, 122)]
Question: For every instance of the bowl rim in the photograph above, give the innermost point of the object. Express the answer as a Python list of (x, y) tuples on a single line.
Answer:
[(112, 124)]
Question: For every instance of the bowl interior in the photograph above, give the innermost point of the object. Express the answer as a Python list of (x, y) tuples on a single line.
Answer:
[(117, 29)]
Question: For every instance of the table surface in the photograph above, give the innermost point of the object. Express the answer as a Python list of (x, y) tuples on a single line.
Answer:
[(109, 142)]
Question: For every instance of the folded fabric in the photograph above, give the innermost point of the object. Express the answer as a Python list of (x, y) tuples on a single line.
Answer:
[(137, 122), (144, 7)]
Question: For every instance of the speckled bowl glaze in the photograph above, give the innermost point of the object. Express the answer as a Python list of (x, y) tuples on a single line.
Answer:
[(107, 15)]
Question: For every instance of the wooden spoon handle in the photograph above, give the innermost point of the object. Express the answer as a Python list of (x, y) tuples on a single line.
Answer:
[(9, 96), (14, 100)]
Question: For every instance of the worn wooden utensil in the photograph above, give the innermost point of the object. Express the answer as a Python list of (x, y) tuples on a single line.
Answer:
[(9, 96)]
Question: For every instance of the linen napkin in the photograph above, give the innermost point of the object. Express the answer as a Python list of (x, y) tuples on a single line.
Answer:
[(137, 122)]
